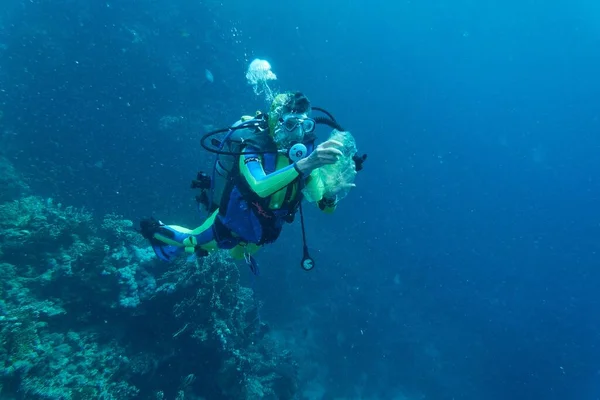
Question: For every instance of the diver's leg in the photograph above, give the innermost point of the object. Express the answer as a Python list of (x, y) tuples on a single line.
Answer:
[(242, 249), (169, 241), (166, 241)]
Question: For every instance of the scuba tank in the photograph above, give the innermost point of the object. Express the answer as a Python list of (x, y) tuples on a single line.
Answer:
[(252, 132), (247, 131)]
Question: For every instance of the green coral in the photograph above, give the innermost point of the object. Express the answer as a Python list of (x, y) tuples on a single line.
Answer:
[(32, 218), (32, 227), (119, 230), (61, 282), (253, 365), (72, 359)]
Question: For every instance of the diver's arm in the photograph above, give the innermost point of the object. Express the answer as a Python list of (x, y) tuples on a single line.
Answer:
[(262, 184)]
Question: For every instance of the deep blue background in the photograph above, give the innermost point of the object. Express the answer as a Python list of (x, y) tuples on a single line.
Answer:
[(463, 266)]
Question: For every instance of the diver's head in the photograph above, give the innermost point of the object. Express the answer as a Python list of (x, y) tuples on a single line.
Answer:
[(289, 119)]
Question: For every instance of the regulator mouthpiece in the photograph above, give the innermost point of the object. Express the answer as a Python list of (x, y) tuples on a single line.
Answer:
[(297, 152)]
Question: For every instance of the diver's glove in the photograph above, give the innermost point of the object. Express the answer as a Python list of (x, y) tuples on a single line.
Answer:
[(359, 161), (327, 202), (326, 153)]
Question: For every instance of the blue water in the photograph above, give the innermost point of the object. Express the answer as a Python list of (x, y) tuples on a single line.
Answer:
[(465, 263)]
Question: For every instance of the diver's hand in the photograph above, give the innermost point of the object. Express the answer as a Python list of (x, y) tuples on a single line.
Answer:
[(326, 153)]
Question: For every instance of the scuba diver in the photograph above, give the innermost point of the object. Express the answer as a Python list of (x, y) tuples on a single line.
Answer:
[(265, 165)]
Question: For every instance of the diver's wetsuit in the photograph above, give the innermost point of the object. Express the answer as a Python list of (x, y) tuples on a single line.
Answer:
[(264, 197)]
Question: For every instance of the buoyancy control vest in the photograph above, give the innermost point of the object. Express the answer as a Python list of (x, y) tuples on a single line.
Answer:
[(247, 131), (254, 132)]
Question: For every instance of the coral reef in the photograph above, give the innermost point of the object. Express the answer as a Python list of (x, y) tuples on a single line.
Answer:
[(12, 184), (86, 312)]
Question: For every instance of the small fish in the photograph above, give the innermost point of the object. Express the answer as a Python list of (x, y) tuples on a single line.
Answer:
[(209, 76)]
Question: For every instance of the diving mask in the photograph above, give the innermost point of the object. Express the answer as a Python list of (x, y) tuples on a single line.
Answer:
[(291, 128), (291, 122)]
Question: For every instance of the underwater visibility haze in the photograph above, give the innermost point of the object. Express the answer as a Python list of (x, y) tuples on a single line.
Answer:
[(463, 264)]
